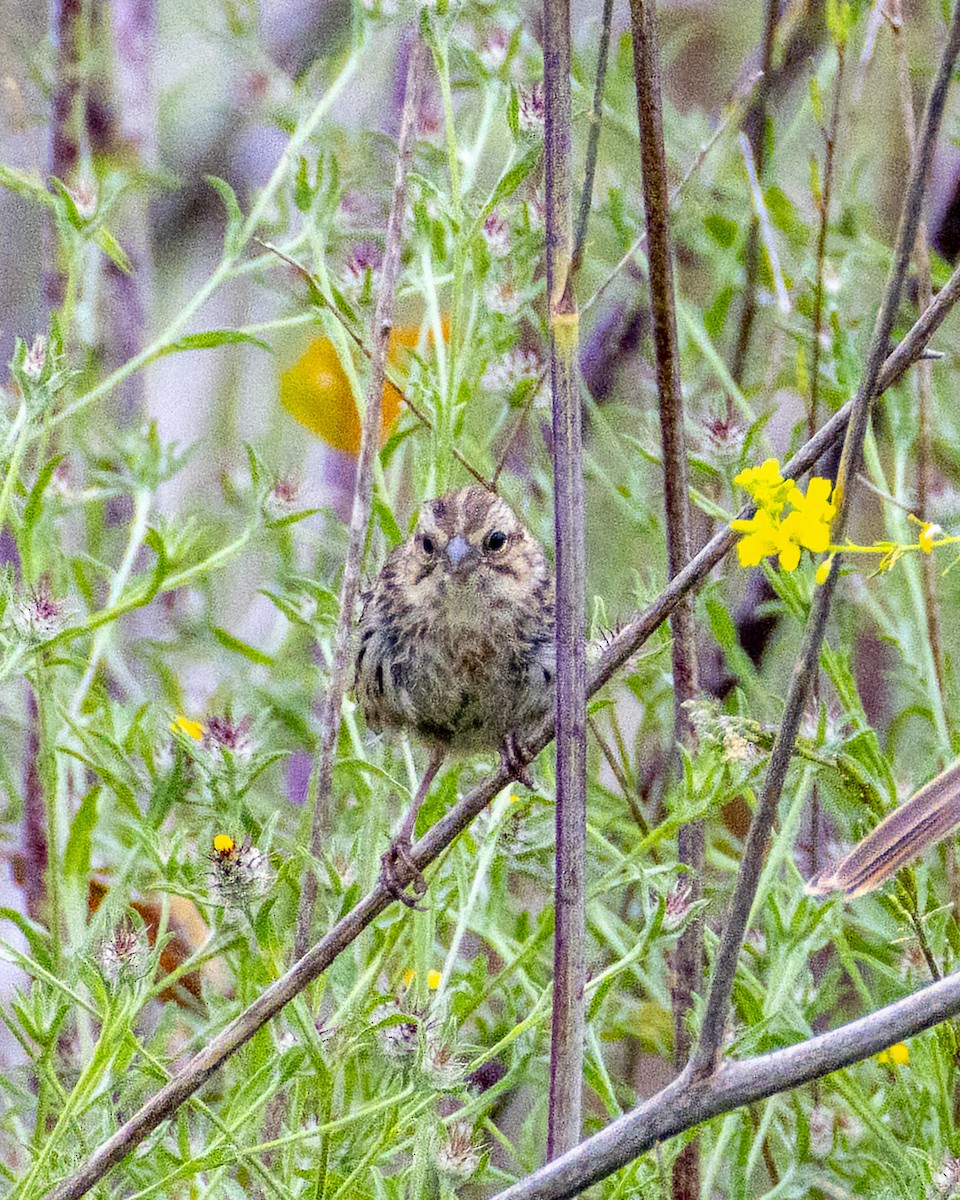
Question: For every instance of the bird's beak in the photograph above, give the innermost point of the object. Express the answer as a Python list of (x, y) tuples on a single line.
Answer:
[(460, 554)]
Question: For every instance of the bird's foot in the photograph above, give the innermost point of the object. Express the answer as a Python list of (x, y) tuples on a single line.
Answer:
[(513, 757), (396, 860)]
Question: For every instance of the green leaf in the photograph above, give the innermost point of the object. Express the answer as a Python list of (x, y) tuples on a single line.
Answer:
[(113, 250), (723, 230), (229, 642), (258, 469), (37, 938), (302, 191), (232, 236), (209, 340), (24, 183), (387, 521), (32, 513), (121, 789), (76, 857), (509, 182), (67, 205)]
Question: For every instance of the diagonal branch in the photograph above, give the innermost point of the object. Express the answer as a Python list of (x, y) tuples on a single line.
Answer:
[(687, 1102), (428, 849)]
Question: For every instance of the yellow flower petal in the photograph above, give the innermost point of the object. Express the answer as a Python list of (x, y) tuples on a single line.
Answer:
[(766, 485), (193, 729), (433, 980), (789, 556), (223, 843)]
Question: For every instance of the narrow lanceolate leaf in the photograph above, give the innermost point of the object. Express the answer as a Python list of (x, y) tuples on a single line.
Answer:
[(926, 818), (113, 250), (229, 642), (232, 234), (25, 183), (210, 339)]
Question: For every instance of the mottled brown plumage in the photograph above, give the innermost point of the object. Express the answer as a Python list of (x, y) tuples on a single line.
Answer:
[(456, 634)]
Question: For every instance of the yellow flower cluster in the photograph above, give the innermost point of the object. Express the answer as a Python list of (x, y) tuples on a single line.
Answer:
[(769, 531)]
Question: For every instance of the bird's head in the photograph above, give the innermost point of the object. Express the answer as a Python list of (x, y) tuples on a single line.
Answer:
[(470, 543)]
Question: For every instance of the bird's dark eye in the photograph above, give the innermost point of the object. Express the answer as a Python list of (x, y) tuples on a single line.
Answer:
[(428, 545), (496, 541)]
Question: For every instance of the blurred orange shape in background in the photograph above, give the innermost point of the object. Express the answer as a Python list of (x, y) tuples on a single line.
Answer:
[(316, 391)]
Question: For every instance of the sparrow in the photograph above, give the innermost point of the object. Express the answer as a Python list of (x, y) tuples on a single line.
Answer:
[(456, 643)]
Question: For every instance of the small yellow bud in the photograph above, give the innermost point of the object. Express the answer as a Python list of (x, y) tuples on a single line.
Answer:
[(433, 980), (823, 571), (928, 532), (897, 1055), (409, 976), (193, 729), (223, 843)]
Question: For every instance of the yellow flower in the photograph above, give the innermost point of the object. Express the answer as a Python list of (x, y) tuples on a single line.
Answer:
[(766, 485), (433, 980), (769, 532), (193, 729), (762, 538), (809, 523), (897, 1055), (223, 843), (928, 532), (409, 976), (823, 571)]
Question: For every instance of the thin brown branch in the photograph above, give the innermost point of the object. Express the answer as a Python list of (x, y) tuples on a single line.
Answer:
[(756, 121), (362, 499), (569, 958), (732, 113), (428, 849), (688, 959), (823, 209), (595, 117), (924, 373)]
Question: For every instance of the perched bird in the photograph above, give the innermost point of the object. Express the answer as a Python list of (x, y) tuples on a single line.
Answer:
[(928, 817), (456, 641)]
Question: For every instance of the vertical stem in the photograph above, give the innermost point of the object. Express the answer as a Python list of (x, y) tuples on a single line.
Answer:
[(823, 203), (688, 961), (33, 843), (595, 117), (65, 119), (131, 133), (755, 124), (362, 498), (924, 374), (566, 1049), (707, 1053)]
